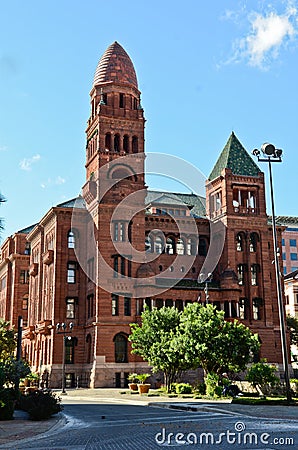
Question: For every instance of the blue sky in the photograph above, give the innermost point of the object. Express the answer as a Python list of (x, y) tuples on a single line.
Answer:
[(204, 69)]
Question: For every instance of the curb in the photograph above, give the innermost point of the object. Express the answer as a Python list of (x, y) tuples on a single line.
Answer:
[(181, 407)]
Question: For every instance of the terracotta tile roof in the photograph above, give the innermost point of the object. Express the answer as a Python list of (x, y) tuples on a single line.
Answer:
[(235, 157), (116, 66)]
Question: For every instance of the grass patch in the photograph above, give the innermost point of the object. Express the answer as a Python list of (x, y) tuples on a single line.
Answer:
[(263, 401)]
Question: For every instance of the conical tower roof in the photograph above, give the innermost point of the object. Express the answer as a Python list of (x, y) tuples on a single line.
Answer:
[(115, 66), (235, 157)]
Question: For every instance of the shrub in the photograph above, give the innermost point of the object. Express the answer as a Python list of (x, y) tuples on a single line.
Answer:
[(183, 388), (7, 403), (262, 376), (41, 405)]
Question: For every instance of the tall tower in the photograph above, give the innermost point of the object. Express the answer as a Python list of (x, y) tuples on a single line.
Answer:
[(114, 176), (236, 195)]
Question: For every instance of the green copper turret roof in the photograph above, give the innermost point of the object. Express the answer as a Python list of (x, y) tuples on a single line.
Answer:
[(235, 157)]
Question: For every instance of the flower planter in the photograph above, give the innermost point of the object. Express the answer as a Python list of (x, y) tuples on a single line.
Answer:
[(133, 386), (143, 388)]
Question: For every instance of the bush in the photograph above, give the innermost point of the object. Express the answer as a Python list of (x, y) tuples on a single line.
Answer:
[(183, 388), (41, 405), (262, 376), (7, 403)]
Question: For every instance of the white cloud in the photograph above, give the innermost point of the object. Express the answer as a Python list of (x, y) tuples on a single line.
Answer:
[(53, 182), (26, 163), (268, 33)]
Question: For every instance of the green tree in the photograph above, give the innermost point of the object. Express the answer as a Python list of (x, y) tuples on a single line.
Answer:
[(173, 341), (261, 375), (292, 324), (155, 340), (217, 345), (7, 340)]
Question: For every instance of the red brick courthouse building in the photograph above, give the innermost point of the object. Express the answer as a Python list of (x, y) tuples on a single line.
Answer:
[(97, 260)]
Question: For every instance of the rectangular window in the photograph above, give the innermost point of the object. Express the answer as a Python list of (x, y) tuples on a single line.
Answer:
[(3, 283), (294, 268), (254, 275), (115, 267), (122, 266), (115, 305), (285, 270), (90, 305), (293, 243), (90, 269), (25, 303), (127, 306), (116, 231), (70, 308), (24, 277), (243, 309), (283, 242), (240, 270), (293, 256), (121, 100), (284, 256), (71, 273), (69, 349)]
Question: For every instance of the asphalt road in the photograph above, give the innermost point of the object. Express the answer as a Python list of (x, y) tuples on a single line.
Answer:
[(101, 426)]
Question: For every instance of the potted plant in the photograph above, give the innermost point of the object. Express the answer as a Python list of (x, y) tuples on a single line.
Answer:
[(143, 388), (132, 378)]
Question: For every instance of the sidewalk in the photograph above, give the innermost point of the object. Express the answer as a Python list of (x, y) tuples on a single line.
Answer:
[(21, 427)]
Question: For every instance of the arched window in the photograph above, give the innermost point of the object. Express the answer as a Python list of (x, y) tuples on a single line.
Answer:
[(135, 144), (180, 247), (253, 239), (170, 246), (158, 245), (120, 343), (202, 246), (126, 143), (71, 239), (117, 143), (88, 348), (108, 140), (239, 242)]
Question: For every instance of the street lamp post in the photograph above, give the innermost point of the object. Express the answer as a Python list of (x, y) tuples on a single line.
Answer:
[(207, 280), (271, 154), (19, 347), (61, 328)]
